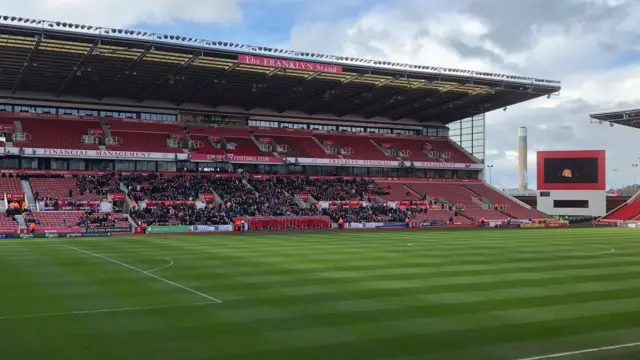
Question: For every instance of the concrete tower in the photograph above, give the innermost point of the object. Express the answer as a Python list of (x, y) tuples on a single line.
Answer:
[(522, 157)]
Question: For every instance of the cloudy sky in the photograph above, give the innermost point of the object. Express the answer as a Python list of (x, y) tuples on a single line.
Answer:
[(592, 46)]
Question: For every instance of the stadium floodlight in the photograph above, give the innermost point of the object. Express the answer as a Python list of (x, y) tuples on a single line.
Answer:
[(5, 18)]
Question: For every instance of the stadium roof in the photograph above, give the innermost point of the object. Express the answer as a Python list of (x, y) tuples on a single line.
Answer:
[(61, 59), (627, 117)]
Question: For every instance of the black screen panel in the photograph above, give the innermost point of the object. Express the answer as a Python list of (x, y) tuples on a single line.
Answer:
[(571, 171)]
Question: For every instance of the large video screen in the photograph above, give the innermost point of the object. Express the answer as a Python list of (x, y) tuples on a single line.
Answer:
[(571, 170)]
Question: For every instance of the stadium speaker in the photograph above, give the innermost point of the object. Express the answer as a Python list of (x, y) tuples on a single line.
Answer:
[(219, 43), (19, 19), (5, 18)]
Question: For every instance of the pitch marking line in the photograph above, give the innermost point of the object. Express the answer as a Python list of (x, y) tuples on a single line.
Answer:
[(162, 267), (605, 348), (145, 272), (98, 311)]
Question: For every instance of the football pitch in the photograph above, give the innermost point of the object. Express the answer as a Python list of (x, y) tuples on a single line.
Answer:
[(392, 295)]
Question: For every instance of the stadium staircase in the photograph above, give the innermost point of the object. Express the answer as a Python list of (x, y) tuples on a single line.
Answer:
[(28, 195), (21, 223), (17, 127)]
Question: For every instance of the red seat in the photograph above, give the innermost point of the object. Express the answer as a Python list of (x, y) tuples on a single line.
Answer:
[(9, 185), (57, 134), (58, 188), (355, 147), (458, 195), (515, 209), (629, 211)]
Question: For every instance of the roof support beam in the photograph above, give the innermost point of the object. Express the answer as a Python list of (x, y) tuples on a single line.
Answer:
[(77, 68), (429, 99), (215, 77), (27, 63), (172, 74), (297, 84), (325, 93), (129, 68), (394, 98), (359, 94), (418, 110)]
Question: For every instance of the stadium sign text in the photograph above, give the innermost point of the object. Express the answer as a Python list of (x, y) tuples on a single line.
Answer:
[(103, 154), (289, 64)]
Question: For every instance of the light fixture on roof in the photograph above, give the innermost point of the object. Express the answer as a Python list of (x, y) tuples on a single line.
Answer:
[(505, 109), (611, 124)]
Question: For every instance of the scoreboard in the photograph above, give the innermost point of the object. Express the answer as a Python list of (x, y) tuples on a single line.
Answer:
[(572, 182)]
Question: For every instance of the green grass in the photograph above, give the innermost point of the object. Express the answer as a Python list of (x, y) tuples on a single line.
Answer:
[(508, 294)]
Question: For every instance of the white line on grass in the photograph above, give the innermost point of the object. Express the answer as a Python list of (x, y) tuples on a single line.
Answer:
[(162, 267), (98, 311), (605, 348), (145, 272)]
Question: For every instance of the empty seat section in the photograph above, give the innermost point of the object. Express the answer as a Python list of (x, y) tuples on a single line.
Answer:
[(458, 195), (238, 141), (628, 211), (397, 192), (513, 208), (301, 147), (51, 219), (355, 147), (58, 189), (151, 142), (243, 146), (57, 134), (7, 224), (205, 145), (407, 149), (446, 146), (9, 185)]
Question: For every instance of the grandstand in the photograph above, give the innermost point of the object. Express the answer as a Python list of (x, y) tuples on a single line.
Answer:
[(106, 111), (630, 210)]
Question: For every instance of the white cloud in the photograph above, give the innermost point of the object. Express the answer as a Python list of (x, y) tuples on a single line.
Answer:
[(120, 13), (588, 44)]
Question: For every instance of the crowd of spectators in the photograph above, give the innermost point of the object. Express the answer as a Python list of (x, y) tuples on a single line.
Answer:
[(338, 189), (97, 219), (181, 214), (98, 184), (274, 200), (372, 213), (157, 187)]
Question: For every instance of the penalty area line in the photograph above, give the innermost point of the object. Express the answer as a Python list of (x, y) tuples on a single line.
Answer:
[(585, 351), (146, 273), (98, 311)]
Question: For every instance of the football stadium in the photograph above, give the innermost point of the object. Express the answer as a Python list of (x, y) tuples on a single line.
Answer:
[(167, 197)]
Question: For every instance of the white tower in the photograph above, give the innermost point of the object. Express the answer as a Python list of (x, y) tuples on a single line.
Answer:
[(522, 157)]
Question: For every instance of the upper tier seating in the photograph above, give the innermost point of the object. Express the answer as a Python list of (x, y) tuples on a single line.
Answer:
[(355, 147), (397, 192), (10, 185), (628, 211), (238, 141), (206, 146), (57, 134), (58, 189), (458, 195), (416, 150), (446, 146), (513, 208), (294, 143), (138, 136)]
